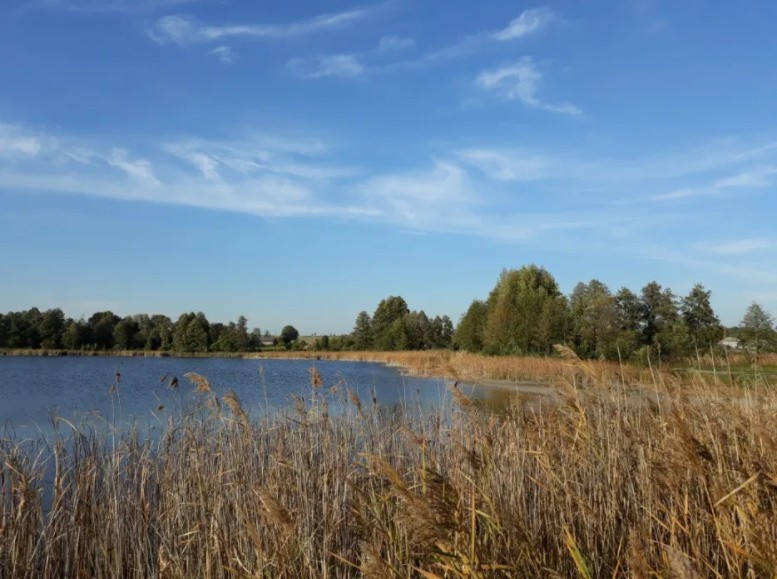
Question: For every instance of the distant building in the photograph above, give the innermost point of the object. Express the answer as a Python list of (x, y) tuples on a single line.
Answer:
[(730, 343)]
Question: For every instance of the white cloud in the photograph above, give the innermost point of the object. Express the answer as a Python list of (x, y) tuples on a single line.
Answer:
[(180, 29), (17, 141), (139, 169), (341, 65), (754, 177), (505, 165), (528, 22), (520, 82), (434, 200), (224, 54), (394, 43)]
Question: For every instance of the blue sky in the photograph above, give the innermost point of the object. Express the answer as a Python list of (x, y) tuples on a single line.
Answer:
[(296, 162)]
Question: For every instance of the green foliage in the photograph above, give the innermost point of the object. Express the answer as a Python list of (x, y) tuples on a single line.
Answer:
[(125, 334), (52, 326), (289, 334), (195, 338), (384, 322), (594, 320), (469, 332), (76, 335), (757, 330), (191, 333), (526, 313), (704, 328), (362, 331)]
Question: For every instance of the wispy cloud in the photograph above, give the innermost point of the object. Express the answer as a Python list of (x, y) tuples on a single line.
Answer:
[(108, 6), (738, 246), (422, 199), (520, 81), (17, 141), (139, 169), (506, 165), (494, 192), (750, 178), (182, 30), (529, 22), (393, 43), (753, 177), (224, 54), (261, 175), (373, 61), (341, 65)]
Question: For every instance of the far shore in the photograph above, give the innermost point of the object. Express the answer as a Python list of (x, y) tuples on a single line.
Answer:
[(529, 375), (522, 386)]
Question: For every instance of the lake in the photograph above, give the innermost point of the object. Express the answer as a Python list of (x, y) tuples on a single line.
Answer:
[(118, 390)]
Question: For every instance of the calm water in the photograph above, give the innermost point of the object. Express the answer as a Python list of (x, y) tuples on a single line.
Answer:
[(80, 389)]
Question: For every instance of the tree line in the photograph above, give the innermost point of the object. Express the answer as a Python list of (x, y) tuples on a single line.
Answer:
[(526, 313), (191, 332)]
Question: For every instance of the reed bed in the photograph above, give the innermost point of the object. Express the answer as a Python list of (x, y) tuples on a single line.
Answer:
[(466, 366), (607, 480)]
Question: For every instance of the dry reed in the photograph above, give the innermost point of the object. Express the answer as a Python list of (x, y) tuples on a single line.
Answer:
[(676, 479)]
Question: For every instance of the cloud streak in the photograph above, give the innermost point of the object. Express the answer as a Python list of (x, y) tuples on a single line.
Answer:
[(751, 178), (339, 65), (497, 193), (184, 30), (520, 81), (108, 6), (224, 54), (529, 22)]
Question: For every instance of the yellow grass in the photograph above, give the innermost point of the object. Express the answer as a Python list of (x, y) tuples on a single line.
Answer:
[(466, 366)]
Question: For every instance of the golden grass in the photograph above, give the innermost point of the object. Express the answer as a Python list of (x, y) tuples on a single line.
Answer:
[(677, 479), (465, 366)]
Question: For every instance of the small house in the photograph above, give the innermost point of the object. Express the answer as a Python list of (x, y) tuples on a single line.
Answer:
[(730, 343)]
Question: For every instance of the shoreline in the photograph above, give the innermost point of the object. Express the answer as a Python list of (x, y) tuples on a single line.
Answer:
[(539, 385)]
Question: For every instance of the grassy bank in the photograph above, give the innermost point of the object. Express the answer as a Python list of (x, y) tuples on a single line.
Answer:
[(604, 483), (465, 366)]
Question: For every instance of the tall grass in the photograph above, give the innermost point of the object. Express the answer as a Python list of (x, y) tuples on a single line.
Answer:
[(612, 479), (466, 366)]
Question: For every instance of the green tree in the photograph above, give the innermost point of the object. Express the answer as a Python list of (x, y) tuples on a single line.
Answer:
[(469, 332), (76, 335), (289, 334), (628, 312), (162, 333), (659, 310), (384, 329), (179, 332), (396, 337), (125, 334), (102, 325), (362, 331), (526, 313), (594, 318), (323, 343), (52, 326), (417, 330), (703, 325), (195, 337), (756, 330), (241, 334)]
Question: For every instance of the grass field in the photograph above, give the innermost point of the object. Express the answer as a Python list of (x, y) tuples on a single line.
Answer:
[(676, 477)]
